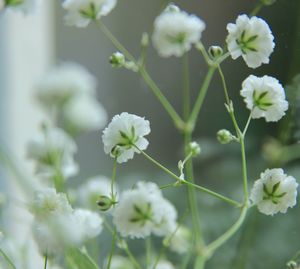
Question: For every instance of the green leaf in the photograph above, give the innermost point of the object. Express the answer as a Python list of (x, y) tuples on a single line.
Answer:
[(80, 259)]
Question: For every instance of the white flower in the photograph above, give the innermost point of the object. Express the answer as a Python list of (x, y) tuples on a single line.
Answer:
[(89, 223), (124, 132), (180, 242), (163, 264), (274, 192), (90, 192), (119, 262), (265, 97), (52, 150), (143, 211), (81, 12), (48, 201), (175, 32), (250, 38), (63, 83), (84, 113)]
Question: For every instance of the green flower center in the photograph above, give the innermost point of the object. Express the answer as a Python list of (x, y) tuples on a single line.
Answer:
[(89, 12), (261, 100), (178, 39), (247, 42), (142, 215), (273, 194)]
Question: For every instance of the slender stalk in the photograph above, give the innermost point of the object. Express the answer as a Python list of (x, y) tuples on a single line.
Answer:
[(212, 193), (112, 250), (148, 251), (46, 261), (149, 81), (244, 168), (186, 87), (248, 123), (200, 99), (113, 180), (228, 234), (132, 258), (257, 9), (7, 259)]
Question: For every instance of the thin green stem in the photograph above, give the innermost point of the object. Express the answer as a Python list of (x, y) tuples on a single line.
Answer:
[(112, 250), (244, 168), (132, 258), (188, 182), (257, 9), (247, 123), (7, 259), (200, 99), (46, 261), (113, 181), (148, 251), (149, 81), (228, 234), (186, 87), (204, 53), (212, 193)]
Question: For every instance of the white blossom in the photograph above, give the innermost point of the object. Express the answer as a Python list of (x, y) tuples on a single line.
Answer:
[(90, 192), (274, 192), (265, 96), (175, 32), (81, 12), (250, 38), (53, 150), (142, 211), (84, 113), (90, 223), (124, 133), (64, 82), (164, 264), (180, 241)]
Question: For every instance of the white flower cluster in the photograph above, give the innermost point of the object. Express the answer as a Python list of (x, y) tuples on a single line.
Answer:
[(57, 225), (265, 97), (53, 151), (250, 38), (125, 135), (175, 32), (71, 90), (274, 192), (81, 12), (143, 210)]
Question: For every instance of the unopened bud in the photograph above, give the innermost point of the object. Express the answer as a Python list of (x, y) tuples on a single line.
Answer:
[(117, 59), (215, 52), (194, 148), (145, 40), (224, 136), (104, 203), (172, 8)]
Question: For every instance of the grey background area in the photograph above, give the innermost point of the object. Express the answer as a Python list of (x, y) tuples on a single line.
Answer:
[(264, 242)]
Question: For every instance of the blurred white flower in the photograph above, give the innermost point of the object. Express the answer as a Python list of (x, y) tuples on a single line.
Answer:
[(250, 38), (119, 262), (274, 192), (143, 210), (175, 32), (164, 264), (63, 83), (124, 132), (89, 223), (53, 153), (84, 113), (81, 12), (90, 192), (265, 96), (180, 242)]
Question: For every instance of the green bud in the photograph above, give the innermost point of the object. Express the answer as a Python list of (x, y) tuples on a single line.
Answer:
[(117, 59), (194, 148), (172, 8), (104, 203), (215, 52), (224, 136)]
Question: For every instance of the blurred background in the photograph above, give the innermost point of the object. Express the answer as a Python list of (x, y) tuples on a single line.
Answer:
[(31, 44)]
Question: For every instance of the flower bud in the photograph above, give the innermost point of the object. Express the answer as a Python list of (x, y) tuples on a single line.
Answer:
[(104, 203), (224, 136), (117, 59), (172, 8), (215, 52), (194, 148), (145, 40)]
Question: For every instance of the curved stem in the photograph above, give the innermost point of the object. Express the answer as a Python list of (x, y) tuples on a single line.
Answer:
[(113, 180), (7, 259), (228, 234)]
